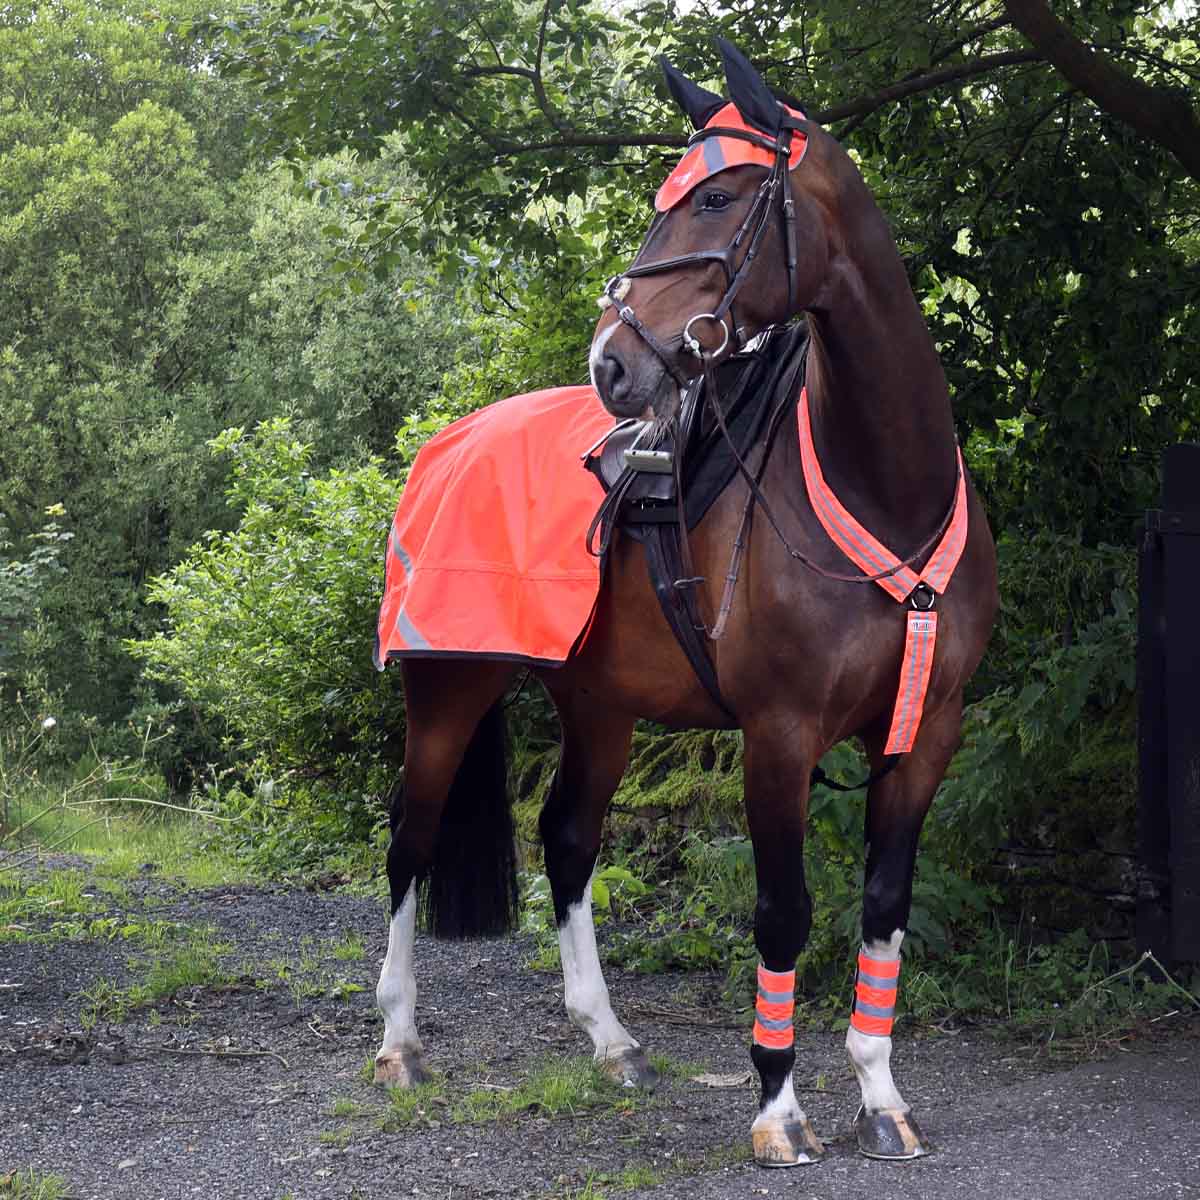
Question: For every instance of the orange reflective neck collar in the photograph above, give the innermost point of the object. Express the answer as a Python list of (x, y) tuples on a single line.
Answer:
[(903, 584)]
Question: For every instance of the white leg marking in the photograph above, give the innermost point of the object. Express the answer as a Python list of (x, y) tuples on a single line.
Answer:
[(586, 993), (782, 1107), (872, 1056), (396, 992), (597, 351)]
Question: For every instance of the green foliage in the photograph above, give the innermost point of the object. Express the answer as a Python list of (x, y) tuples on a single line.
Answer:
[(558, 1087), (1049, 756), (22, 581), (108, 190), (160, 286), (32, 1184), (1056, 992), (270, 631), (1032, 220)]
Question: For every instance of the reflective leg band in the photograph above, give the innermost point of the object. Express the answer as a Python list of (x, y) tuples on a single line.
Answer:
[(875, 995), (773, 1008)]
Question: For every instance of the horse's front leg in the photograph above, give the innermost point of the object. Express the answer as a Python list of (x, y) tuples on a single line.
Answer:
[(776, 790), (595, 749), (896, 808)]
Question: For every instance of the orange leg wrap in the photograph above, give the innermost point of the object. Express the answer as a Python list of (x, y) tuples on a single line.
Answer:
[(774, 1007), (875, 996)]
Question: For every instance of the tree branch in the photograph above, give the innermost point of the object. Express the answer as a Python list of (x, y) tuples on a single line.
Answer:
[(539, 84), (924, 83), (1164, 118), (476, 72), (863, 106), (966, 38)]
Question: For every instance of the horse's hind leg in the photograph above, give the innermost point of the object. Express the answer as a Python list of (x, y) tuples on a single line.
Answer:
[(896, 808), (446, 703), (777, 767), (595, 749)]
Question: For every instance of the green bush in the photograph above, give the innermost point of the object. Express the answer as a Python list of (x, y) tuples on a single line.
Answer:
[(270, 634)]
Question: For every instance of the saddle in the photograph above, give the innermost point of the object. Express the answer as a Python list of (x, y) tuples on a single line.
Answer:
[(660, 480)]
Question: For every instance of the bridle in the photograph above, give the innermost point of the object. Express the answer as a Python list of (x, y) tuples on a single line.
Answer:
[(777, 184), (753, 227)]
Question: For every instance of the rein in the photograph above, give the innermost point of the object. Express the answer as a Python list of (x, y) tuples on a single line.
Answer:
[(753, 227)]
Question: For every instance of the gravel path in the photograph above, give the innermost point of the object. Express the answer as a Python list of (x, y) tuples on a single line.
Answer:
[(254, 1089)]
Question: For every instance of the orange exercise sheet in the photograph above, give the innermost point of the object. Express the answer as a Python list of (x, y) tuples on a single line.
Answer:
[(487, 550)]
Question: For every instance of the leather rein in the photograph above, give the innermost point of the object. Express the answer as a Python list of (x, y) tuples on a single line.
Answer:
[(751, 232)]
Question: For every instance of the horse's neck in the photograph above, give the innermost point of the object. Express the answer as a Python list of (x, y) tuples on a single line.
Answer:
[(880, 409)]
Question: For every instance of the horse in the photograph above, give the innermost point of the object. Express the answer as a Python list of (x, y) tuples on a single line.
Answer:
[(862, 457)]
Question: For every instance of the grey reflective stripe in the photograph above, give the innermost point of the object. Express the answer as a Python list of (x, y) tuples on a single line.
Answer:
[(776, 1025), (404, 627), (876, 982), (402, 554), (714, 154), (872, 1010), (777, 997)]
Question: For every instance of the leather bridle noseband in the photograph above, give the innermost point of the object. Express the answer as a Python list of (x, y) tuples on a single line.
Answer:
[(753, 228)]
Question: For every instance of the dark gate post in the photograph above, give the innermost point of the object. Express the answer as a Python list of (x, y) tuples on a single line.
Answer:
[(1168, 916)]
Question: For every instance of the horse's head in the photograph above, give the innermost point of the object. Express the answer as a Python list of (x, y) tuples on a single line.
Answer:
[(739, 242)]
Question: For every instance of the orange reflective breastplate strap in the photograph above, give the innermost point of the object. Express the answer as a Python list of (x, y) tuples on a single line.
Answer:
[(875, 995), (773, 1008), (871, 557)]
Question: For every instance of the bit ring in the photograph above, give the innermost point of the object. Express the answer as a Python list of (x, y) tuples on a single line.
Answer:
[(693, 343)]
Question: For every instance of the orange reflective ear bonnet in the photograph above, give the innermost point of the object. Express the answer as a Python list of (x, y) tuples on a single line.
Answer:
[(712, 154)]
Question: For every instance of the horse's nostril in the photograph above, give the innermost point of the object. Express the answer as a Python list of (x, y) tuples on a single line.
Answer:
[(612, 381), (610, 375)]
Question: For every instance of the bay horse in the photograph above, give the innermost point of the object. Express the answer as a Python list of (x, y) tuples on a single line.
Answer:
[(805, 660)]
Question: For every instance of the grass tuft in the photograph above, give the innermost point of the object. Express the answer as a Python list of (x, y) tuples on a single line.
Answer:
[(415, 1106), (556, 1088), (195, 963), (32, 1184), (350, 949)]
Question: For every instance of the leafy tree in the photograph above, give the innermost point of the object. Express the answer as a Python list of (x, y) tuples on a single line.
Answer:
[(160, 286), (22, 581), (1040, 175), (270, 628), (271, 622)]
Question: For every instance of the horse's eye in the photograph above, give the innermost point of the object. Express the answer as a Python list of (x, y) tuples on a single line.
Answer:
[(715, 201)]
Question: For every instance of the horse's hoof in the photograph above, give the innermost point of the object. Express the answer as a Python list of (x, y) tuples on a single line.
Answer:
[(786, 1144), (630, 1068), (890, 1134), (401, 1068)]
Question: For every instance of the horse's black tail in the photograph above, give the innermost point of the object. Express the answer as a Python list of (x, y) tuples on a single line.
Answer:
[(471, 886)]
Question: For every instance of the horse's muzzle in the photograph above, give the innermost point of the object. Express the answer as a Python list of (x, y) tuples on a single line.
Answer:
[(637, 386), (616, 387)]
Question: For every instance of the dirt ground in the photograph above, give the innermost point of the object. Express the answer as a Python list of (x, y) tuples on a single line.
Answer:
[(254, 1088)]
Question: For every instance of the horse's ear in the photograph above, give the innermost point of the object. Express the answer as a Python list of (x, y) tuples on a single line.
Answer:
[(748, 91), (698, 103)]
